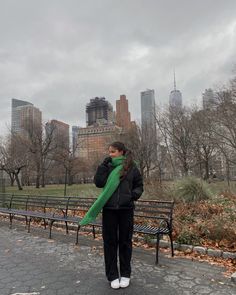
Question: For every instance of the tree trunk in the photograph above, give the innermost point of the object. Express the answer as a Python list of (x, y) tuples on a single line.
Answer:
[(18, 182), (186, 168), (38, 176), (206, 170), (65, 182), (227, 173), (43, 178), (160, 176), (42, 173), (70, 178), (12, 178), (147, 171)]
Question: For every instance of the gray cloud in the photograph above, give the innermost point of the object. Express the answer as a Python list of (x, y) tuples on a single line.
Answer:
[(59, 54)]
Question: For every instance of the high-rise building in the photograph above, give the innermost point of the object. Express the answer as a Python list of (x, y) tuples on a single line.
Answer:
[(15, 113), (60, 133), (175, 99), (148, 109), (122, 113), (75, 131), (99, 112), (30, 119), (93, 142), (209, 99), (25, 117), (148, 112)]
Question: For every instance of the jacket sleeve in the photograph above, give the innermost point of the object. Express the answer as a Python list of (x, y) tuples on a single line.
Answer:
[(102, 173), (137, 189)]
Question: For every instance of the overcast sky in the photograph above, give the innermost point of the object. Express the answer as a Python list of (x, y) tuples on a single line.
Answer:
[(59, 54)]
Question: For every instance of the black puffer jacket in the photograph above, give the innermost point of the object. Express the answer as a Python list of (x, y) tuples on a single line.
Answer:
[(129, 190)]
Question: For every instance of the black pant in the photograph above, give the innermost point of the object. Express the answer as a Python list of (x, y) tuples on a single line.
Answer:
[(117, 232)]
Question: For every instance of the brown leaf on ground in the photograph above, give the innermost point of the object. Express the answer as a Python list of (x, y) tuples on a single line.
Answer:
[(229, 264)]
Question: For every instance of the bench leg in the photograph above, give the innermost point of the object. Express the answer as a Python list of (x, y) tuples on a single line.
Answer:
[(67, 229), (29, 224), (171, 243), (26, 221), (50, 232), (44, 221), (94, 235), (10, 217), (77, 235), (157, 248)]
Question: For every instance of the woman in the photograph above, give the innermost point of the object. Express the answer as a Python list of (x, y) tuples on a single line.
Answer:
[(118, 212)]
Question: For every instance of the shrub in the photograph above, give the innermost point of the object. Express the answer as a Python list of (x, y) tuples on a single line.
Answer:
[(187, 218), (191, 189), (189, 238), (220, 228)]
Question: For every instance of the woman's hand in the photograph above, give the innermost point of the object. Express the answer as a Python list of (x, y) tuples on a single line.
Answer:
[(106, 161)]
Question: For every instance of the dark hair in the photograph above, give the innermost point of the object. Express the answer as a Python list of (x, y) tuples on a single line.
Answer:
[(128, 162)]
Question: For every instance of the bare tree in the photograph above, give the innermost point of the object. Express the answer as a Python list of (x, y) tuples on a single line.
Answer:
[(13, 159), (66, 159), (143, 142), (38, 141), (176, 127), (203, 144), (224, 127), (69, 162)]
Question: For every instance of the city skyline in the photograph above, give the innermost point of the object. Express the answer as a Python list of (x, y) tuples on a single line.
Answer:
[(21, 103), (142, 102), (57, 54)]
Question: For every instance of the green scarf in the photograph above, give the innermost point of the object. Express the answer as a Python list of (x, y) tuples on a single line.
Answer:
[(112, 183)]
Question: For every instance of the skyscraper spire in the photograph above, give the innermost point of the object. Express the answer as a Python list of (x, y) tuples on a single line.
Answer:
[(175, 98)]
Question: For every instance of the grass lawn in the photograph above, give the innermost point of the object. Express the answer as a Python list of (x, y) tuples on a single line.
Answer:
[(150, 192), (58, 190), (83, 190)]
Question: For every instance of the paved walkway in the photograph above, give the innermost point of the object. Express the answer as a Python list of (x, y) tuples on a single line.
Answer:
[(33, 265)]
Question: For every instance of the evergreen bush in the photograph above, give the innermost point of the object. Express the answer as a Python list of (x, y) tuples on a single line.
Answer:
[(191, 189)]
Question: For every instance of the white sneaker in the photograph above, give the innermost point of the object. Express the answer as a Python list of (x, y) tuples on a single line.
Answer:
[(115, 284), (124, 282)]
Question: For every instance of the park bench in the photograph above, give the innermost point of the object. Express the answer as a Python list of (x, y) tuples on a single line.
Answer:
[(151, 217), (33, 207)]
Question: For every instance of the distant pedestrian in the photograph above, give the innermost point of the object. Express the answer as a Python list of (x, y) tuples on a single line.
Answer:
[(122, 184)]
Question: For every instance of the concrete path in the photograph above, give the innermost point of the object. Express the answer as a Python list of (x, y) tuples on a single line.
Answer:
[(33, 265)]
